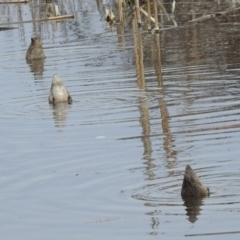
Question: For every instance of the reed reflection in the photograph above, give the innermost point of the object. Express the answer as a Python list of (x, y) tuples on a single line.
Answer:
[(192, 49), (143, 102), (155, 47), (99, 5), (121, 37), (21, 30), (45, 10), (146, 139), (168, 138)]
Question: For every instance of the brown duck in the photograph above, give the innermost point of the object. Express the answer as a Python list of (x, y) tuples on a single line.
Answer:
[(192, 187)]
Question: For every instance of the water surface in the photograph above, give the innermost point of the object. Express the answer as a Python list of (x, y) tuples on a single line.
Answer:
[(144, 106)]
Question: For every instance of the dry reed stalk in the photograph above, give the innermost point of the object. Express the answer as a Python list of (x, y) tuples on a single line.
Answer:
[(120, 8), (147, 15), (42, 19), (19, 1), (156, 15), (139, 22), (56, 11)]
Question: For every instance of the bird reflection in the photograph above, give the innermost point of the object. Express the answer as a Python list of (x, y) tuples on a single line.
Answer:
[(193, 208), (60, 114), (36, 66)]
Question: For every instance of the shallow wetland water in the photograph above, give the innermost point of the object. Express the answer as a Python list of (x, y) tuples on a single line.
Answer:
[(111, 164)]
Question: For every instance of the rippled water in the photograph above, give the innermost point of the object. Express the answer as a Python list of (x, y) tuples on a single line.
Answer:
[(111, 165)]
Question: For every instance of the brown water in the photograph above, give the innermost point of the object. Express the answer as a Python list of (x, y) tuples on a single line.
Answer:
[(110, 165)]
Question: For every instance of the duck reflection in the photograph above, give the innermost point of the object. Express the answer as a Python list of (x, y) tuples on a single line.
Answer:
[(193, 208), (36, 66), (60, 111)]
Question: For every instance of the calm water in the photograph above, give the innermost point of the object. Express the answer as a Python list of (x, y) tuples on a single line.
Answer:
[(110, 166)]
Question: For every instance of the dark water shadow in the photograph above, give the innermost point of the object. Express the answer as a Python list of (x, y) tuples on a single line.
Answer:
[(4, 28)]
